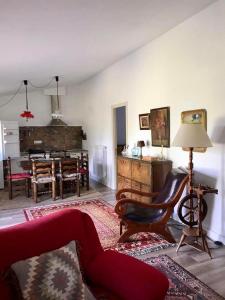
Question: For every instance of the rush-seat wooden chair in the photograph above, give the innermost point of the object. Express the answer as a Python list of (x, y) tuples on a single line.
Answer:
[(84, 169), (43, 173), (16, 177), (137, 216), (69, 172)]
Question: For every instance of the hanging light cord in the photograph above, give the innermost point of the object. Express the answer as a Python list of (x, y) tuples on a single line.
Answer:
[(57, 89), (34, 86), (41, 87), (25, 83), (13, 96)]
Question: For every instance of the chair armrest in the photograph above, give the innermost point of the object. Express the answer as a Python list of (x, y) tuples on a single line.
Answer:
[(119, 194), (120, 210)]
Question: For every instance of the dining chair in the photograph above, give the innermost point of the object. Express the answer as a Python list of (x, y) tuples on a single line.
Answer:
[(43, 172), (15, 178), (69, 173), (84, 169)]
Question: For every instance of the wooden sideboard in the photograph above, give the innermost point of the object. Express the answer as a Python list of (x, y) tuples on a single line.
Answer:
[(140, 174)]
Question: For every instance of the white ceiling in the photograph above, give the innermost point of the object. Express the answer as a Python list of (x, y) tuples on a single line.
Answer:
[(77, 38)]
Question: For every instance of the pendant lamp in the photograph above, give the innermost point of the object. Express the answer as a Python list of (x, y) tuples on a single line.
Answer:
[(26, 114)]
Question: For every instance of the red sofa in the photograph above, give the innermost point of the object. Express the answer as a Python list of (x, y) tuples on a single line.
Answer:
[(118, 275)]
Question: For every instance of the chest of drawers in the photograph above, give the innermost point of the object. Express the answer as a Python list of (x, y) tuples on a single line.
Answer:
[(142, 175)]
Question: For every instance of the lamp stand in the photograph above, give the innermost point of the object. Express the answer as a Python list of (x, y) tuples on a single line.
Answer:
[(140, 156), (190, 169)]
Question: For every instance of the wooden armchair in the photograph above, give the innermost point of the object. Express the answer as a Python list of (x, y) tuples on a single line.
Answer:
[(137, 216)]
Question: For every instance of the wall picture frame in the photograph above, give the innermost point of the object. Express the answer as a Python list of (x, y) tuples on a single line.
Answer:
[(196, 116), (160, 126), (144, 121)]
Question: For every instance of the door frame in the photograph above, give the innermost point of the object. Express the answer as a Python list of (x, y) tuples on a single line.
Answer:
[(114, 138)]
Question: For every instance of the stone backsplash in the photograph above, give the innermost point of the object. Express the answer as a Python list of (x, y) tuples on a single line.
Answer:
[(50, 137)]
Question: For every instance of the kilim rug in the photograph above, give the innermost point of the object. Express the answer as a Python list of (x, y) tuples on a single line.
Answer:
[(106, 223), (183, 285)]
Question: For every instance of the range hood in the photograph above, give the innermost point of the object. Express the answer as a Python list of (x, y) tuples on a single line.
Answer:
[(56, 113)]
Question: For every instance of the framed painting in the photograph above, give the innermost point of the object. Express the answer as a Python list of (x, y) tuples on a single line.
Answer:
[(144, 121), (196, 116), (160, 126)]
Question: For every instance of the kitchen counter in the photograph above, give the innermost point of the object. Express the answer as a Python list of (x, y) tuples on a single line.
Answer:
[(70, 152)]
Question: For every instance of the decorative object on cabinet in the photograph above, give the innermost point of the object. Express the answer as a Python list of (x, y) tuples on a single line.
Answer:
[(162, 157), (197, 116), (141, 174), (140, 144), (124, 152), (150, 217), (135, 151), (26, 114), (144, 121), (160, 126)]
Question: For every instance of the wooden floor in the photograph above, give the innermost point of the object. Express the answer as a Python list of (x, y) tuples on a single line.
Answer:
[(209, 271)]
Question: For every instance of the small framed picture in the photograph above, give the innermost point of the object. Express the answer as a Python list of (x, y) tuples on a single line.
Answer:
[(196, 116), (144, 121), (160, 126)]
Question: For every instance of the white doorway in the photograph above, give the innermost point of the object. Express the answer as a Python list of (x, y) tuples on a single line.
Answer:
[(119, 133)]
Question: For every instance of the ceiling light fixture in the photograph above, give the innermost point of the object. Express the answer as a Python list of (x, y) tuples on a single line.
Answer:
[(26, 114), (57, 114)]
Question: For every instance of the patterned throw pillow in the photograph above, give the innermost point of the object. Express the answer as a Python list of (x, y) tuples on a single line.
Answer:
[(53, 275)]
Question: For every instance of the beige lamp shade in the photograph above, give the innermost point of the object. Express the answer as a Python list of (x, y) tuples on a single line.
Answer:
[(191, 136)]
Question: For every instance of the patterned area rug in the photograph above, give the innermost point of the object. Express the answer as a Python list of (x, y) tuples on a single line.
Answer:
[(183, 285), (106, 223)]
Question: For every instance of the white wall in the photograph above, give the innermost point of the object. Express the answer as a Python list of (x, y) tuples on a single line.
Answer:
[(40, 106), (183, 69)]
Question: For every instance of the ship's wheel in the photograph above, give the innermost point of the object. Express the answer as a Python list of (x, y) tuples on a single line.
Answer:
[(188, 210)]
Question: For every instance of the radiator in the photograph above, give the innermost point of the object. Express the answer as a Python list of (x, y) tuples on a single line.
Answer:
[(100, 163)]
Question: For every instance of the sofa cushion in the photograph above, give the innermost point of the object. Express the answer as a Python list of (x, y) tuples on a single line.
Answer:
[(52, 275)]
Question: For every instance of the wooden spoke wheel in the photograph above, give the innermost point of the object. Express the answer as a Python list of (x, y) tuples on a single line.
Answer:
[(188, 210)]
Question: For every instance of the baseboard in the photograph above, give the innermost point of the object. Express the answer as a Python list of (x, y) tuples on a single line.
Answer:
[(215, 236)]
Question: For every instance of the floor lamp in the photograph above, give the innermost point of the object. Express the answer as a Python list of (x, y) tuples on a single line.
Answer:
[(191, 136)]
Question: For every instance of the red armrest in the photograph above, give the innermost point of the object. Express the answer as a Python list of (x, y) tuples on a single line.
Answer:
[(127, 277)]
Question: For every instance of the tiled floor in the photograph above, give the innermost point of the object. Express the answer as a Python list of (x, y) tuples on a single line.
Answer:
[(210, 271)]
